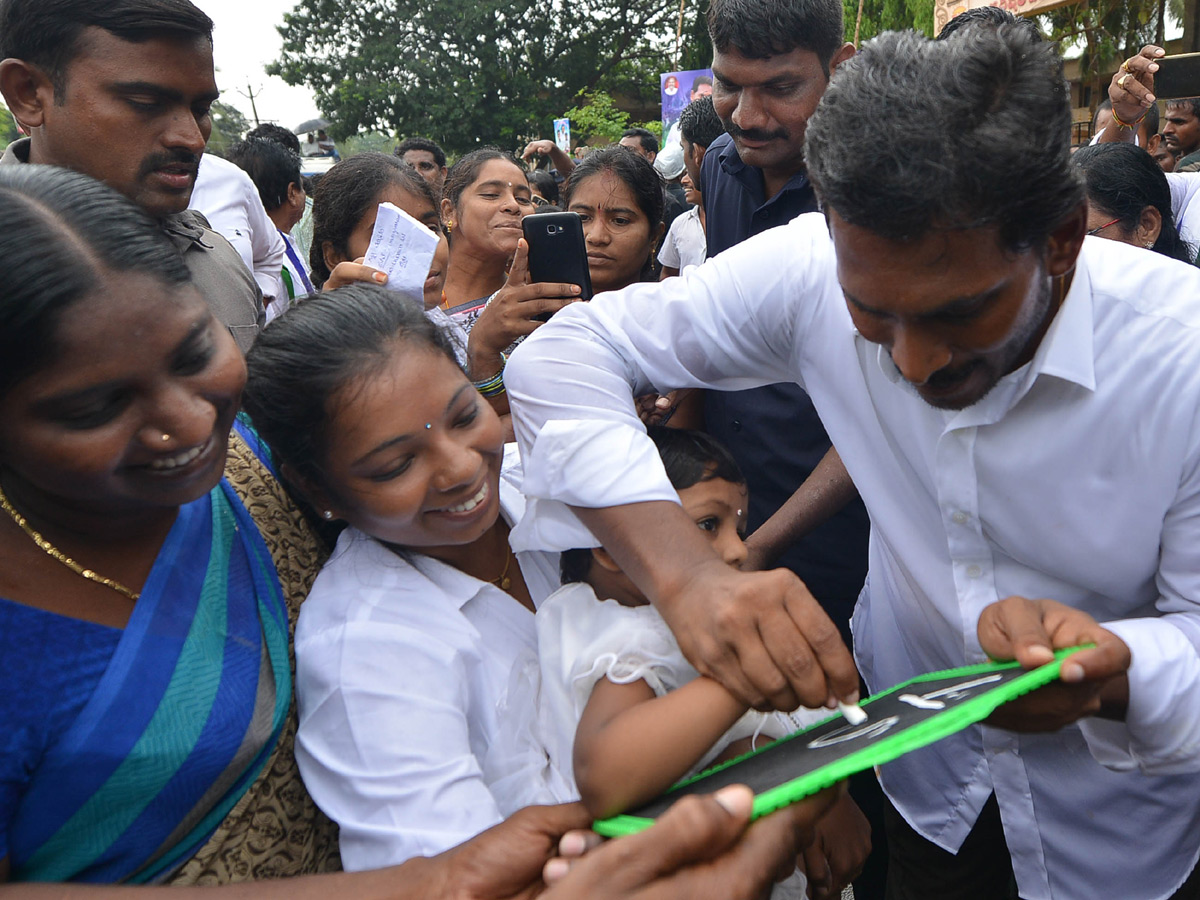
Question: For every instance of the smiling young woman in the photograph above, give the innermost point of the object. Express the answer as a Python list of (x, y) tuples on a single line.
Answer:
[(419, 616)]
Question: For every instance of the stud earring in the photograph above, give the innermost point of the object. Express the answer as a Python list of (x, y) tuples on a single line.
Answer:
[(165, 437), (328, 514)]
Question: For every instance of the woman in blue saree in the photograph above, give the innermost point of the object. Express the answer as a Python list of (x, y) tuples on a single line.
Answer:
[(150, 569)]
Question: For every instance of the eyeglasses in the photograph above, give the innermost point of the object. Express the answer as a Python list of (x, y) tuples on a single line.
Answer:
[(538, 201), (1099, 228)]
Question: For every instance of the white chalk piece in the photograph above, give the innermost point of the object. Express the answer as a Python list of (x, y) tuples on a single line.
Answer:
[(852, 713), (402, 247)]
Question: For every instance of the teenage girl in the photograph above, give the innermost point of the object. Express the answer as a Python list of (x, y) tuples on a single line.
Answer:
[(405, 644)]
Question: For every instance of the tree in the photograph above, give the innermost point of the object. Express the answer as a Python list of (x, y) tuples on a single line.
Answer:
[(465, 72), (8, 127), (229, 126), (887, 15)]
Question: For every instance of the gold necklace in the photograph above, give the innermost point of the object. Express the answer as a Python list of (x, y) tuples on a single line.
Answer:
[(502, 581), (54, 553)]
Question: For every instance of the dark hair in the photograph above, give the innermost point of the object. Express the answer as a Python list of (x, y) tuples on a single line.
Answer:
[(699, 123), (689, 457), (985, 142), (545, 208), (47, 32), (1122, 180), (988, 17), (644, 136), (545, 183), (344, 194), (1191, 104), (270, 166), (303, 358), (464, 172), (269, 131), (759, 29), (420, 143), (699, 80), (639, 175), (62, 231)]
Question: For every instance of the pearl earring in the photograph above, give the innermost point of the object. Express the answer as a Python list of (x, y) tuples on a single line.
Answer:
[(328, 514)]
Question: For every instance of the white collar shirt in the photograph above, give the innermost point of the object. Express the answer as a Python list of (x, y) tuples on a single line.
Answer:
[(400, 667), (1076, 478)]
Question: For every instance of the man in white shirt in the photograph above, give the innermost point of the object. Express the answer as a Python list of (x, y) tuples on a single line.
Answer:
[(229, 200), (1018, 408)]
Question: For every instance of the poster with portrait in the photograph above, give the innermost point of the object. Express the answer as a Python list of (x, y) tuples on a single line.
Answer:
[(677, 90), (562, 135)]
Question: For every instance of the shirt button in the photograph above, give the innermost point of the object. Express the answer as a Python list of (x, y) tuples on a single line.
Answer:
[(959, 518), (737, 425), (974, 571)]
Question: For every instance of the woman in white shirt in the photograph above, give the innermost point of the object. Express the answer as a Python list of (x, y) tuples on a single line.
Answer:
[(405, 643)]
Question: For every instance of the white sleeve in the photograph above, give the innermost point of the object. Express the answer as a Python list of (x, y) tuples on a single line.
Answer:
[(1185, 187), (736, 322), (668, 255), (383, 743), (267, 247), (1161, 731)]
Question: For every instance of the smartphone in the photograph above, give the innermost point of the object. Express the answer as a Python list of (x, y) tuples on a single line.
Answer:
[(557, 251), (1177, 77)]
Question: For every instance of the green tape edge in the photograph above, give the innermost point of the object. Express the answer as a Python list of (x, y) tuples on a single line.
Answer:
[(927, 732)]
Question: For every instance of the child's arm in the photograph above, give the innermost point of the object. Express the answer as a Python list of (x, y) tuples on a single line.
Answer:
[(632, 745)]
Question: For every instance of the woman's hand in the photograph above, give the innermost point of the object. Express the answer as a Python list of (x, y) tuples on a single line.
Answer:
[(345, 273), (513, 312)]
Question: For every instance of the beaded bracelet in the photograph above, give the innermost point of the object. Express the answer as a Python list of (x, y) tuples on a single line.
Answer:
[(494, 386)]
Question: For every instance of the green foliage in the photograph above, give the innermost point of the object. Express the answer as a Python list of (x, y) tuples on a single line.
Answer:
[(1108, 31), (8, 127), (655, 127), (465, 72), (229, 127), (888, 15), (597, 118)]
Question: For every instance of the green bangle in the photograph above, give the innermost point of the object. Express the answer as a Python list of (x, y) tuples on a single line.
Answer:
[(494, 386)]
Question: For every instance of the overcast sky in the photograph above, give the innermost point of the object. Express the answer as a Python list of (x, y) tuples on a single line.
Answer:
[(244, 42)]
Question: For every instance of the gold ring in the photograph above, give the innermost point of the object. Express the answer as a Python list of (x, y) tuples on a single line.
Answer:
[(1121, 81), (1125, 67)]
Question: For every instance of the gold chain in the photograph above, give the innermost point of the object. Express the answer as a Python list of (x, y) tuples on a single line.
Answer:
[(502, 581), (50, 550)]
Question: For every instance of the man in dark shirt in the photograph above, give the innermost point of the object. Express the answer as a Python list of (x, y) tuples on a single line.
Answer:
[(772, 61)]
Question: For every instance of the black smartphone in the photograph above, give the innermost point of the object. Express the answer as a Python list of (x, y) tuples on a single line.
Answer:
[(557, 251), (1178, 77)]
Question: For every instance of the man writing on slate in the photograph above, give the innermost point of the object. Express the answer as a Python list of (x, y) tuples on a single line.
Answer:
[(1018, 408)]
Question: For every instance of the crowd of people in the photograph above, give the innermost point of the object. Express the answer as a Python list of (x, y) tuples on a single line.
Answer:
[(311, 586)]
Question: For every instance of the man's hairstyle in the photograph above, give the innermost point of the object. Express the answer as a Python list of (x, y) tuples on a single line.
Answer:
[(644, 136), (271, 167), (699, 80), (420, 143), (759, 29), (984, 142), (989, 17), (689, 458), (46, 33), (1191, 104), (699, 123), (269, 131)]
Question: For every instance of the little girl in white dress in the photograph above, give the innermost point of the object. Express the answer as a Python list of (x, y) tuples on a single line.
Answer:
[(620, 715)]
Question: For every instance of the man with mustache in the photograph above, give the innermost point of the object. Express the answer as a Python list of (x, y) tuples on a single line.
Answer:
[(1017, 404), (122, 91)]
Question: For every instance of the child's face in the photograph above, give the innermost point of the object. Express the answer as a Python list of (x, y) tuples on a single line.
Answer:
[(719, 509)]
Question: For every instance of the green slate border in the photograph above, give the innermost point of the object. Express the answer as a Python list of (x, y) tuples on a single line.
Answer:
[(889, 748)]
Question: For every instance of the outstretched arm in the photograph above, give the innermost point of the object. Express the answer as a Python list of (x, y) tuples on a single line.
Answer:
[(632, 745)]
